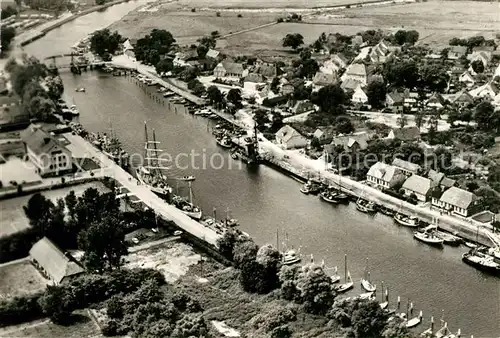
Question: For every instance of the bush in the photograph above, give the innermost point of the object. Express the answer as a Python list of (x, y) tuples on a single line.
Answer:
[(217, 14), (20, 309), (18, 245), (193, 10), (240, 16), (279, 20)]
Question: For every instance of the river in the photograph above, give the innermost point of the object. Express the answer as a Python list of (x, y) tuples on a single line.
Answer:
[(265, 201)]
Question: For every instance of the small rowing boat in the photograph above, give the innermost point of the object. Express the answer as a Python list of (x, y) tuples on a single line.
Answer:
[(189, 178), (328, 197), (365, 206), (407, 221), (428, 238)]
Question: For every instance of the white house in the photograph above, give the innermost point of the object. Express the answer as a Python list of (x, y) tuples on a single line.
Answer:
[(384, 175), (406, 167), (418, 186), (359, 95), (487, 90), (334, 64), (49, 156), (289, 138), (467, 78), (457, 201), (228, 69), (405, 134), (356, 72)]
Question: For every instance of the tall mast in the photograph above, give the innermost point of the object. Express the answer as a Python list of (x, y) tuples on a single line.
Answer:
[(156, 164), (146, 144), (345, 267), (277, 240), (190, 193)]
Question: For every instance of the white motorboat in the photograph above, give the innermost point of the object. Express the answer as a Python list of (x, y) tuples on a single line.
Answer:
[(365, 206), (471, 245), (328, 197), (428, 238), (189, 178), (407, 221), (384, 305), (367, 295)]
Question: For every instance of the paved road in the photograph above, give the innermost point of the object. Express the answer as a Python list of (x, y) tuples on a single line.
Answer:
[(163, 209)]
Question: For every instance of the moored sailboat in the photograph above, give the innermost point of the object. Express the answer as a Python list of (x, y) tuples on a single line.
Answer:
[(150, 174), (328, 197), (348, 283), (366, 283), (428, 238), (365, 206), (187, 206), (407, 221)]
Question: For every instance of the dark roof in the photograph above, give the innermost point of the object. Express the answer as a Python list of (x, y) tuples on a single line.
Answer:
[(254, 77), (54, 261), (458, 197), (413, 167), (448, 182), (435, 176), (322, 79), (418, 184), (462, 50), (232, 67), (397, 97), (406, 133), (38, 141), (267, 70)]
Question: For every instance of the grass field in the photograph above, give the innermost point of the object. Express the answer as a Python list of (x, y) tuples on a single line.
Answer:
[(20, 278), (187, 26), (300, 4), (83, 327)]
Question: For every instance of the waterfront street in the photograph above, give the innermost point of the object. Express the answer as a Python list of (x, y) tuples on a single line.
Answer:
[(265, 201)]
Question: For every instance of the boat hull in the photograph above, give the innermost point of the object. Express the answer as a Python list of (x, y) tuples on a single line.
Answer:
[(433, 242), (328, 199), (344, 287), (405, 223), (196, 215), (369, 287), (489, 269)]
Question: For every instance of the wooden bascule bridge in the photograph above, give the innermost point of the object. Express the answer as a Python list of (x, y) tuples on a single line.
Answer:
[(76, 63)]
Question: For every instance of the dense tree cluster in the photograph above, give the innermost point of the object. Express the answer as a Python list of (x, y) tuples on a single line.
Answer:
[(408, 74), (151, 48), (196, 87), (58, 302), (330, 98), (154, 311), (470, 43), (105, 43), (7, 34), (27, 79), (410, 37), (376, 92)]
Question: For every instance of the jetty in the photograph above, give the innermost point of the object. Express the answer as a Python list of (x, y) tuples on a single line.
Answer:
[(164, 210)]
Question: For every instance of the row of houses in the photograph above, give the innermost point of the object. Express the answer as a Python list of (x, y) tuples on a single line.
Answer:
[(435, 187)]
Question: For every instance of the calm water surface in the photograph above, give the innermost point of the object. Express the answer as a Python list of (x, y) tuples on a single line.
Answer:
[(265, 201)]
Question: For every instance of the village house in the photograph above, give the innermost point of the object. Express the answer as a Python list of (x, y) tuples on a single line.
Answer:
[(228, 69), (483, 56), (268, 71), (382, 51), (457, 201), (334, 64), (462, 98), (359, 95), (213, 54), (53, 263), (456, 52), (349, 85), (301, 107), (467, 79), (405, 134), (181, 58), (12, 147), (394, 101), (436, 101), (322, 79), (406, 167), (356, 72), (322, 136), (351, 143), (254, 77), (487, 90), (49, 156), (418, 186), (289, 138), (384, 175), (128, 49)]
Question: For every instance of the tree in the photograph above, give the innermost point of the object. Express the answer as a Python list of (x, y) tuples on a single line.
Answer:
[(433, 77), (401, 73), (244, 251), (305, 54), (234, 96), (104, 244), (214, 95), (287, 277), (38, 209), (226, 244), (55, 87), (293, 40), (477, 66), (369, 320), (71, 202), (402, 120), (485, 116), (208, 41), (376, 92), (152, 46), (443, 159), (103, 41), (328, 98), (164, 66), (419, 119), (309, 67), (315, 143), (7, 12), (100, 2), (57, 304), (343, 125), (315, 289), (6, 34)]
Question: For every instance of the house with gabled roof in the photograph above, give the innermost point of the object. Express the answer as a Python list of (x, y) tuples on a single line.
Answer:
[(334, 64), (321, 79), (49, 156), (353, 142), (436, 100), (405, 134), (381, 51), (457, 201), (53, 263), (228, 69), (394, 100), (359, 95), (456, 52), (418, 186), (487, 90), (462, 98), (213, 54), (483, 56), (467, 78), (254, 77), (384, 175), (408, 168), (289, 138), (356, 72)]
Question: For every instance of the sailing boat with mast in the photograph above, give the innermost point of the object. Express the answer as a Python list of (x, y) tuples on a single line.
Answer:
[(348, 283), (365, 282), (187, 207), (151, 174), (289, 255)]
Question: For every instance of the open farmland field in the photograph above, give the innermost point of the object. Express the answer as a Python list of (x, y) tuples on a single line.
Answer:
[(20, 278), (187, 26), (295, 4), (436, 21)]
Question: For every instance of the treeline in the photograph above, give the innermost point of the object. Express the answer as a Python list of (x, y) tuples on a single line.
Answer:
[(38, 101), (92, 222), (472, 42), (58, 302), (261, 271)]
